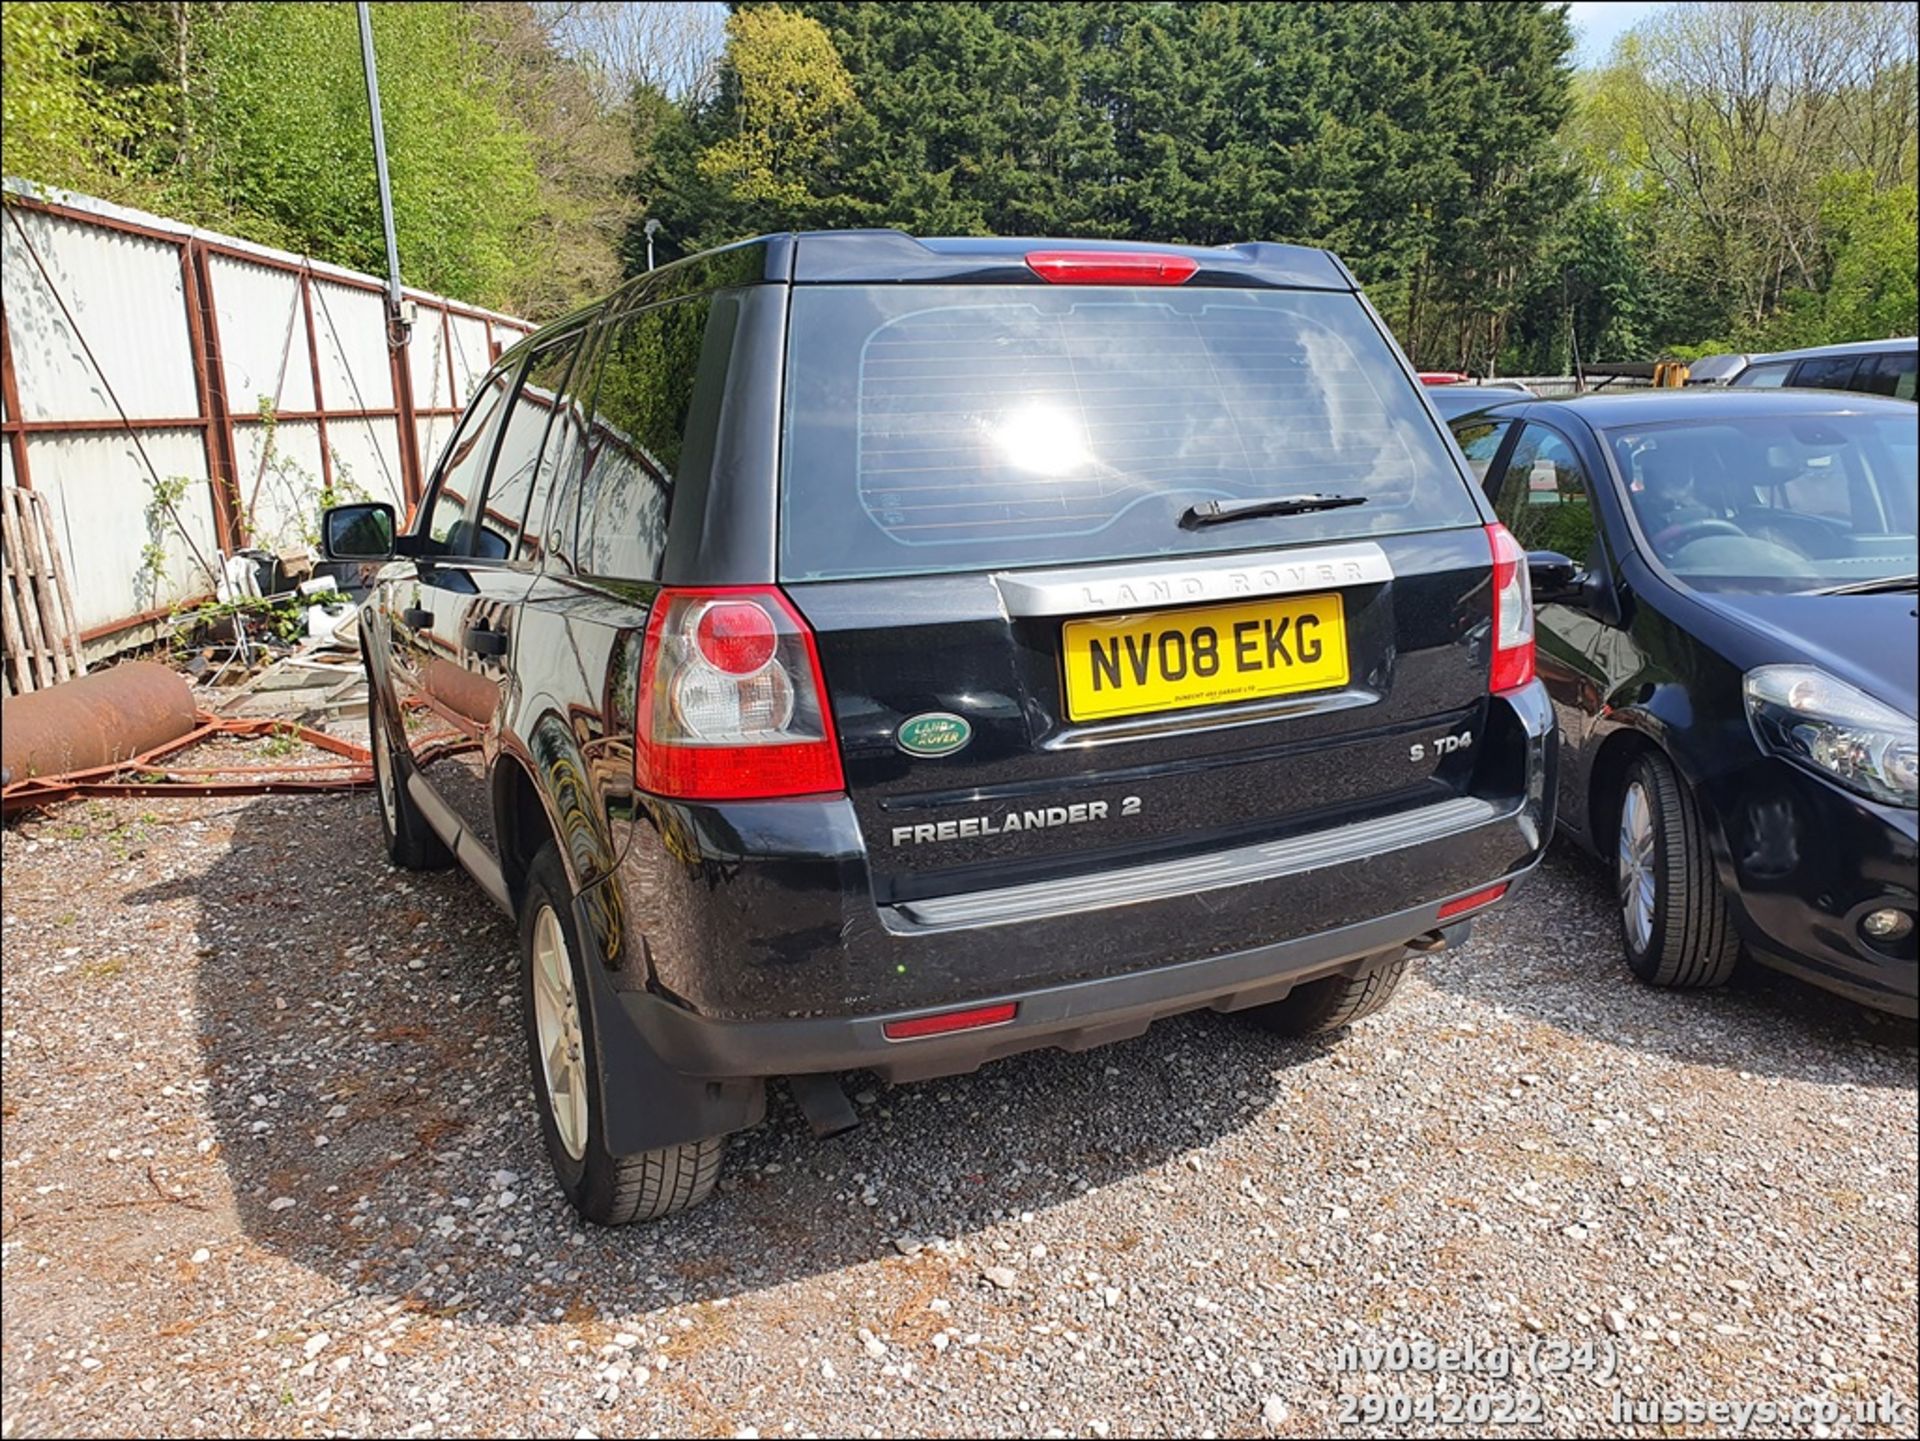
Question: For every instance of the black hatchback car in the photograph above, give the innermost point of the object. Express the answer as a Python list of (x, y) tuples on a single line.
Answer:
[(1732, 652), (851, 651)]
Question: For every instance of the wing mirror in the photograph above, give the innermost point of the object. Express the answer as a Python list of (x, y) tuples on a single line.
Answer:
[(359, 532), (1556, 579)]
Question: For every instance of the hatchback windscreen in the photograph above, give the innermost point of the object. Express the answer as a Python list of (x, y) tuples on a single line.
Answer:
[(954, 428), (1775, 503)]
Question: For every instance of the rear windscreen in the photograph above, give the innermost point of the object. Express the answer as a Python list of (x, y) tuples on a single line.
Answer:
[(967, 427)]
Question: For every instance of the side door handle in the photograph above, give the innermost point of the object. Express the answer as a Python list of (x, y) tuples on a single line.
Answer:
[(417, 618), (482, 641)]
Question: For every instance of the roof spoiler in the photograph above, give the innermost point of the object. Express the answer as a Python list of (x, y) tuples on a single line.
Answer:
[(892, 257)]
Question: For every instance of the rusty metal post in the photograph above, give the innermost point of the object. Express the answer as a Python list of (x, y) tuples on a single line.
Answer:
[(10, 393), (210, 380), (411, 479)]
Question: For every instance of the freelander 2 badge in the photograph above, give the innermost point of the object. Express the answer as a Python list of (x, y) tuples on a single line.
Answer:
[(933, 733)]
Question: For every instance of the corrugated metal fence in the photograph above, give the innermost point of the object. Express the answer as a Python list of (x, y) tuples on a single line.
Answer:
[(176, 394)]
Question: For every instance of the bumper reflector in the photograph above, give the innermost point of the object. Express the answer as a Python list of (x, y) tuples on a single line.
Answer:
[(1472, 901), (947, 1021)]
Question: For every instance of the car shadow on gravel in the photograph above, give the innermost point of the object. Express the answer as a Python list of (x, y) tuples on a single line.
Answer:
[(369, 1099), (1554, 955)]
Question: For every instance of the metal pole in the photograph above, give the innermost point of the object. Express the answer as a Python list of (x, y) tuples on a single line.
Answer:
[(397, 326), (652, 226)]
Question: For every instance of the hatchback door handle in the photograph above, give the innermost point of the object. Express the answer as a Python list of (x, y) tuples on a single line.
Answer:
[(482, 641), (417, 618)]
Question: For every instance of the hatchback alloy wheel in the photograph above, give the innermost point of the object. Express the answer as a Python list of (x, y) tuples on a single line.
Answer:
[(556, 1011), (1637, 870)]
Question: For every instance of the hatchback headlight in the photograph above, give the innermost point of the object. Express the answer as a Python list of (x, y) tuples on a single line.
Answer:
[(1819, 720)]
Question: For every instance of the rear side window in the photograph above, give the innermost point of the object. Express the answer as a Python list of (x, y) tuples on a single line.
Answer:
[(652, 362), (1888, 375), (957, 428), (1544, 497), (1480, 443)]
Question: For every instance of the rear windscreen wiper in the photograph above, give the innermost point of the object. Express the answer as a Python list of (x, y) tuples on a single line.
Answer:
[(1219, 512), (1869, 587)]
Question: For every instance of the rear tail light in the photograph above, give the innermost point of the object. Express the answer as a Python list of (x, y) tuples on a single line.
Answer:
[(1472, 901), (1110, 267), (946, 1021), (732, 704), (1512, 614)]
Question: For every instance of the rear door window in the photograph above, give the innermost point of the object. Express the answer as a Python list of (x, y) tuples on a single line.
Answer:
[(1830, 372), (957, 428), (655, 364), (1544, 498), (1480, 442)]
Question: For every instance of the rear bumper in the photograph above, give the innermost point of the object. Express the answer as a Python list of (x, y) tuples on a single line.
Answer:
[(1071, 1017), (739, 943), (764, 911)]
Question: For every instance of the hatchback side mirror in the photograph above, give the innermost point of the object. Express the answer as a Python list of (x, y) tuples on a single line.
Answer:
[(357, 532), (1555, 579)]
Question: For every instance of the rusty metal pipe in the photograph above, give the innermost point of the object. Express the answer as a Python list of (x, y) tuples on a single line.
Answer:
[(111, 715)]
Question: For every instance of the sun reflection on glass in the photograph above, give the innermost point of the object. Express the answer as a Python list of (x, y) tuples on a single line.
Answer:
[(1041, 439)]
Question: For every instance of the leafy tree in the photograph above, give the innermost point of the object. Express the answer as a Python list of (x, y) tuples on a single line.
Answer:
[(507, 166), (57, 123), (787, 96), (1750, 148)]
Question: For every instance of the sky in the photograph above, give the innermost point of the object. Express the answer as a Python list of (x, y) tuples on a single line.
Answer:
[(1596, 26)]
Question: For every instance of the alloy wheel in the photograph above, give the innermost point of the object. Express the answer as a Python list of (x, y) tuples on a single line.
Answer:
[(383, 775), (556, 1014), (1637, 876)]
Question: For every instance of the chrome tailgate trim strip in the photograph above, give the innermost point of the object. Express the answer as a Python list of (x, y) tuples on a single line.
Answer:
[(1087, 590)]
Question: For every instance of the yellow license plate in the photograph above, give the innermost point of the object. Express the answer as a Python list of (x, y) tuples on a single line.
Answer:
[(1173, 660)]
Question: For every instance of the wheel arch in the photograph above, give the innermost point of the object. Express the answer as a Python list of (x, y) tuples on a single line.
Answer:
[(521, 822), (1606, 779)]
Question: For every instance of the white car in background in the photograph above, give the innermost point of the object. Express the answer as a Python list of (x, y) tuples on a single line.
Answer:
[(1873, 367)]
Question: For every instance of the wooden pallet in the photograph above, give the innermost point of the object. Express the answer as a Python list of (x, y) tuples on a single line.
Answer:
[(37, 621)]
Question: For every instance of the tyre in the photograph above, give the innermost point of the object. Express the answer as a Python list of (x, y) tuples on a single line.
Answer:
[(412, 844), (1673, 919), (1332, 1002), (563, 1055)]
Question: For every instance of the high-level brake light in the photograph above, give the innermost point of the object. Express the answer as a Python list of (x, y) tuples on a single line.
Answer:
[(1111, 267)]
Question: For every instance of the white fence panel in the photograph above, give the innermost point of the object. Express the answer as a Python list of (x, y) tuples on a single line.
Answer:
[(279, 491), (107, 516), (471, 360), (126, 296), (427, 364), (263, 336), (124, 279), (364, 463), (355, 373)]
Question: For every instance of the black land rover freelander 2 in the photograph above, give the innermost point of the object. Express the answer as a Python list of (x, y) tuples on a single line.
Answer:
[(849, 651)]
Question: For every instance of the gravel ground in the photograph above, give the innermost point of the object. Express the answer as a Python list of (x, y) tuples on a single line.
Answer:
[(271, 1167)]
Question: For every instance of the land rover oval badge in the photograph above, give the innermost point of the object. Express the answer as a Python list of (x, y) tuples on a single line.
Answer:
[(933, 733)]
